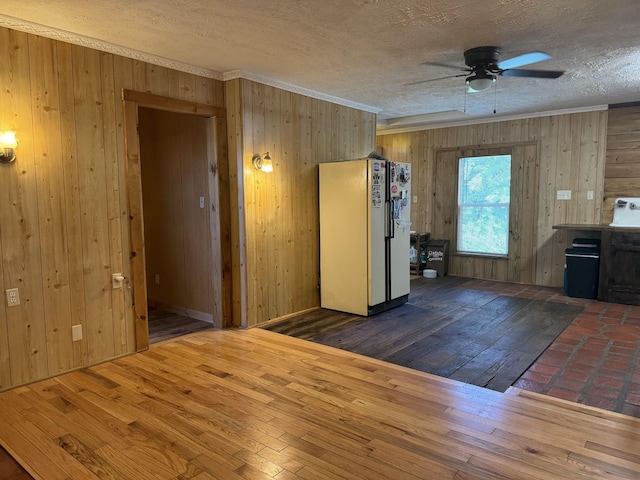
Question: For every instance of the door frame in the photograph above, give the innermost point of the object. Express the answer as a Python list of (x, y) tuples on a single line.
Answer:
[(216, 131), (520, 264)]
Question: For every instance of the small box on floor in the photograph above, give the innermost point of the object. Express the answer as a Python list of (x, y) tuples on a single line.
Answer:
[(438, 256)]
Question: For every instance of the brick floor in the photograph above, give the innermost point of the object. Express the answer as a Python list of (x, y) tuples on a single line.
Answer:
[(9, 468), (595, 361)]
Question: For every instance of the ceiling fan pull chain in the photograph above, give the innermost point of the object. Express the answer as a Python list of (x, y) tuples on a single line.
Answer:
[(464, 110), (495, 97)]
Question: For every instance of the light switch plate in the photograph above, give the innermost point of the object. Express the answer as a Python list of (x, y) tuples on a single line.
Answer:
[(564, 195), (76, 332)]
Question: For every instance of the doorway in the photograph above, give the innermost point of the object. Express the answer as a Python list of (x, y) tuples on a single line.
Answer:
[(173, 159), (215, 178)]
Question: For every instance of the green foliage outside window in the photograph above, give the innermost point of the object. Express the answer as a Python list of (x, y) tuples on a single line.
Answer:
[(484, 192)]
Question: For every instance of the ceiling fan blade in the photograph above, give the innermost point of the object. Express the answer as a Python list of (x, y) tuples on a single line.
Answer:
[(522, 60), (435, 79), (457, 67), (519, 72)]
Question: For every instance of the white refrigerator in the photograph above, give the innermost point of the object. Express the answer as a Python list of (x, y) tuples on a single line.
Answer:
[(364, 235)]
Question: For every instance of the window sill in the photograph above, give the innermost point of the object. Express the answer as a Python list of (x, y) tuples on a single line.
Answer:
[(481, 255)]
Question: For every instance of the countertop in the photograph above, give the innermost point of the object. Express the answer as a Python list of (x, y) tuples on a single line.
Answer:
[(596, 228)]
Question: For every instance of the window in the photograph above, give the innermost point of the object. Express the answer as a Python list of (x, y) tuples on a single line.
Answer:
[(484, 186)]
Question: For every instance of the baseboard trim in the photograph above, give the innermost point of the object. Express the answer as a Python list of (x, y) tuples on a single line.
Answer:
[(187, 312), (273, 321)]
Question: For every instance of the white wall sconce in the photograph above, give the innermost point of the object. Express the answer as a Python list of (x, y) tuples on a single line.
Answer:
[(262, 162), (7, 144)]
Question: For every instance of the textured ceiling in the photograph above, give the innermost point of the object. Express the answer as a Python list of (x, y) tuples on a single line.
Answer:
[(366, 51)]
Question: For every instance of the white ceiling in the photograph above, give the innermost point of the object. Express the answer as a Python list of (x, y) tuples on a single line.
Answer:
[(366, 51)]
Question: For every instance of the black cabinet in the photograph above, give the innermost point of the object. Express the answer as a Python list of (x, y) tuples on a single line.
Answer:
[(619, 280), (620, 268)]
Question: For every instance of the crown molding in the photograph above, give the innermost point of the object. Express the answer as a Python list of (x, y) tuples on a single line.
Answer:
[(76, 39), (387, 130), (233, 74)]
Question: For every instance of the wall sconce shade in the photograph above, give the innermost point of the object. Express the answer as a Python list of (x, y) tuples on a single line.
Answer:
[(262, 162), (7, 143)]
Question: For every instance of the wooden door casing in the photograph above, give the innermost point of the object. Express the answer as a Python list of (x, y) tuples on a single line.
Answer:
[(221, 286)]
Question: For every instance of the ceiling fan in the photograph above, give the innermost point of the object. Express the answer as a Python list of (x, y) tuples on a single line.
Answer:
[(484, 66)]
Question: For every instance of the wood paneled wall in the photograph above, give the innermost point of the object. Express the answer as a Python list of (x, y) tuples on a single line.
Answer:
[(622, 170), (571, 157), (173, 152), (63, 211), (279, 225), (519, 266)]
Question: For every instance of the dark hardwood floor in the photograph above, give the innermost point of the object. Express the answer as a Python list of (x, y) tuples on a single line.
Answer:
[(477, 337), (165, 325)]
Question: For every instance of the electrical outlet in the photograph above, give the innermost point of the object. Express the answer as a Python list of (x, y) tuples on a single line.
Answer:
[(563, 195), (76, 332), (156, 278), (415, 199), (201, 202), (13, 297), (589, 194)]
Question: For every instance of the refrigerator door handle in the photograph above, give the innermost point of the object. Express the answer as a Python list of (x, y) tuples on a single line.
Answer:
[(391, 228), (387, 216), (392, 224)]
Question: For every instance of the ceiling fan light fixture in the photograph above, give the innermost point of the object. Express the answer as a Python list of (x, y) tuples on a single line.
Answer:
[(478, 83)]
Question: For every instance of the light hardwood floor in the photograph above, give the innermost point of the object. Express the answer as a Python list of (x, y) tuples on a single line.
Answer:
[(255, 404)]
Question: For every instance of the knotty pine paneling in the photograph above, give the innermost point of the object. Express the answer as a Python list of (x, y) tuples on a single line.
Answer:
[(571, 156), (63, 212), (277, 231), (622, 169), (519, 266), (173, 150), (20, 237)]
